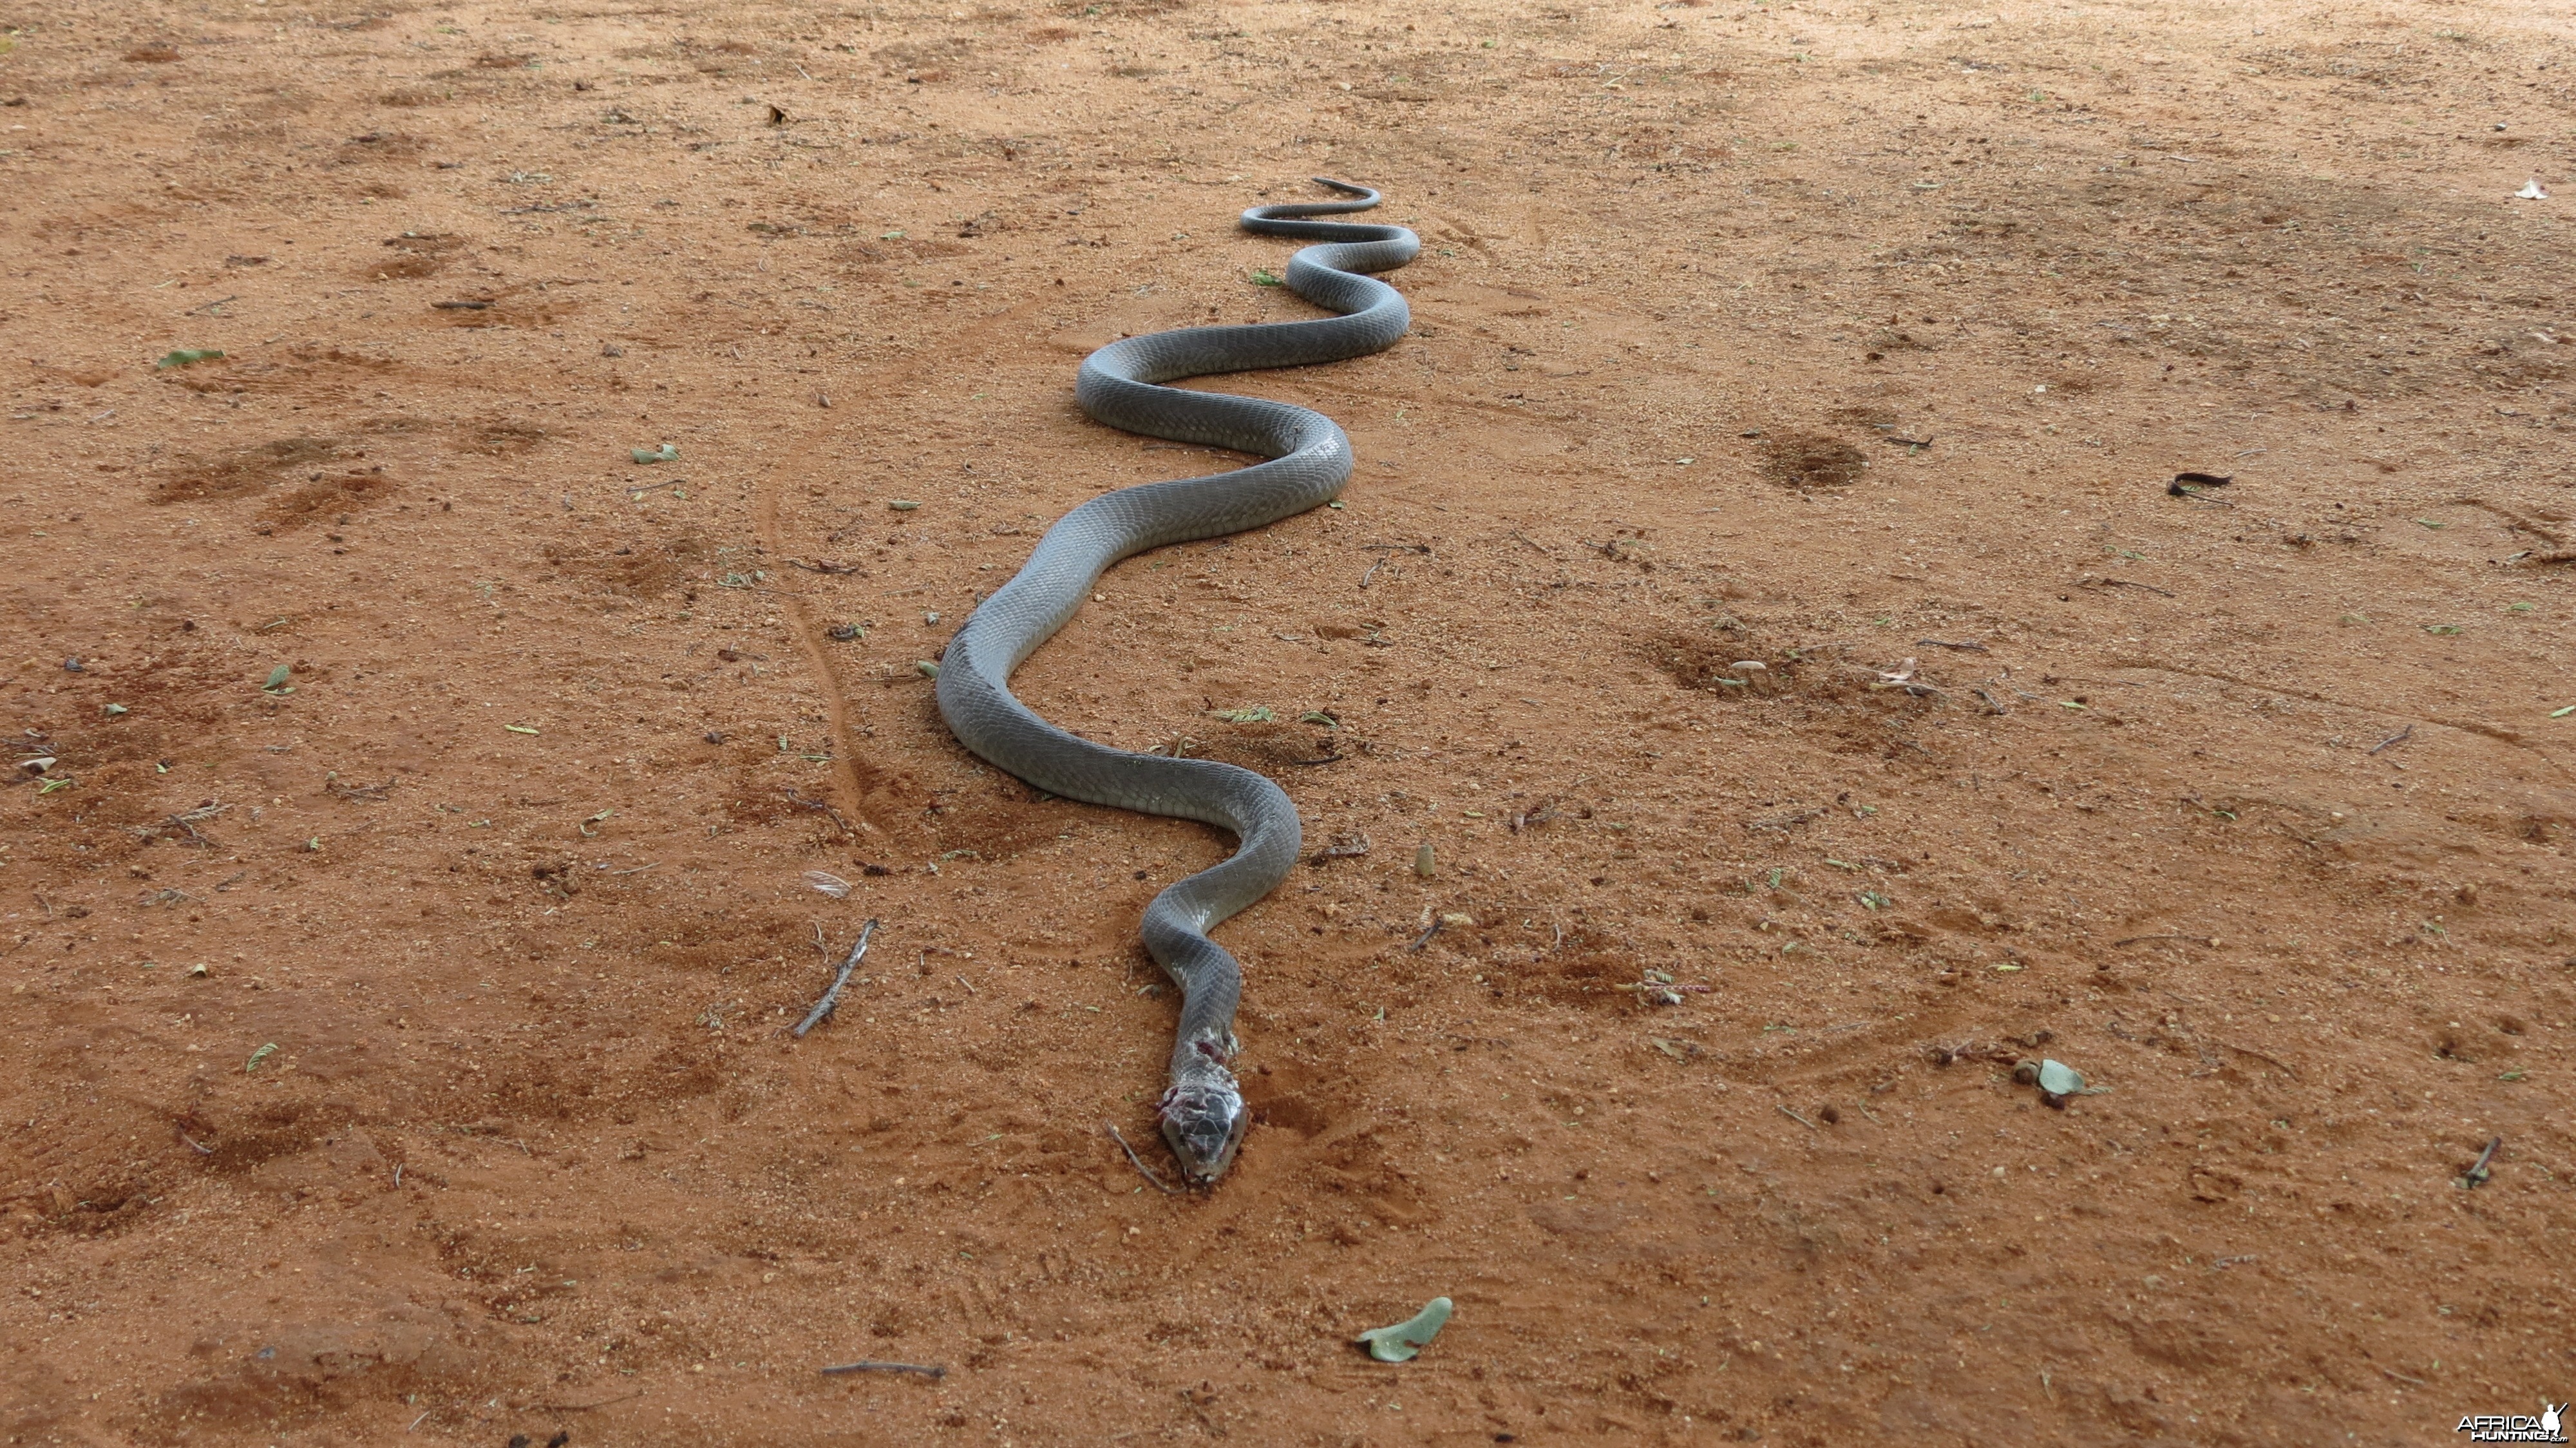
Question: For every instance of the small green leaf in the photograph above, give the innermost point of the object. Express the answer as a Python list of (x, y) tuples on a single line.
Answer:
[(647, 456), (926, 668), (2562, 713), (189, 357), (1250, 714), (262, 1054), (277, 678), (1399, 1343), (520, 728), (116, 711), (902, 505), (889, 236), (2445, 630), (1262, 277)]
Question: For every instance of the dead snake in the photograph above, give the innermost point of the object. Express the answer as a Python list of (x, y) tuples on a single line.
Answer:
[(1123, 386)]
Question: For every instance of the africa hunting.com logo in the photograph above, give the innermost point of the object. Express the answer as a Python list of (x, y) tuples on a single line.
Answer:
[(2516, 1427)]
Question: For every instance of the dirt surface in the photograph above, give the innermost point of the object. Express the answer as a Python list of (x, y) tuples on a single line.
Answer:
[(1761, 592)]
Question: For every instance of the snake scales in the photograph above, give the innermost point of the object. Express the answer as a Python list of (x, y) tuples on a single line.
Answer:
[(1124, 386)]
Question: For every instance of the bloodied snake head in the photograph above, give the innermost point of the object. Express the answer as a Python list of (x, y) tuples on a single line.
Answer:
[(1204, 1121)]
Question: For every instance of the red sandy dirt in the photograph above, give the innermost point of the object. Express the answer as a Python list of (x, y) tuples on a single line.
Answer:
[(1856, 342)]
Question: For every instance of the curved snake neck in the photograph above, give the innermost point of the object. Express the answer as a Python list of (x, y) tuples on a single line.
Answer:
[(1122, 385)]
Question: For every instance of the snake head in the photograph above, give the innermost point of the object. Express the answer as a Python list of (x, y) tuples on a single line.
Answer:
[(1204, 1122)]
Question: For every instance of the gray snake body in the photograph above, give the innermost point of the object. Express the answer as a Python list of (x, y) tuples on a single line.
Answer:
[(1122, 385)]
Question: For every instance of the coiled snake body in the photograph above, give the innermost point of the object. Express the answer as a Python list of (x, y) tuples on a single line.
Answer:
[(1122, 385)]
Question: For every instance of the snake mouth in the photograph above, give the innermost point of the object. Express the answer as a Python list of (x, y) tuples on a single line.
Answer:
[(1204, 1126)]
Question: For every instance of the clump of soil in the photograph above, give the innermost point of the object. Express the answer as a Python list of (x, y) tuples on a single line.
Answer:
[(245, 470), (1812, 460)]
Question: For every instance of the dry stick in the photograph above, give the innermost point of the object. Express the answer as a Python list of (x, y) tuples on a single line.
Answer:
[(2272, 1061), (927, 1370), (2131, 583), (832, 997), (1802, 1121), (1136, 1161), (588, 1407), (1425, 937), (2478, 1173), (824, 805), (2401, 1377), (2393, 740)]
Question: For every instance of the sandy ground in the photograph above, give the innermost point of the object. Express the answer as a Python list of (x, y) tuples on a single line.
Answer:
[(1761, 590)]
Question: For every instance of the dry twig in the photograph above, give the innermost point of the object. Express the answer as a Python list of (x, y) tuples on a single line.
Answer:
[(1138, 1162), (926, 1370), (832, 997)]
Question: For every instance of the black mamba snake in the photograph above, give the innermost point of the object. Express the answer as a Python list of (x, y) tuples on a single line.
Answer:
[(1122, 385)]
